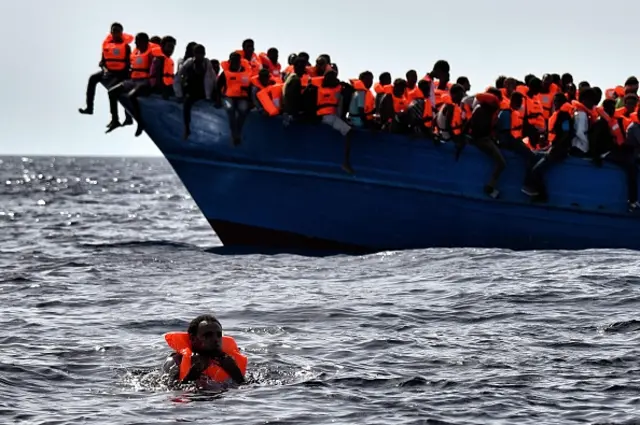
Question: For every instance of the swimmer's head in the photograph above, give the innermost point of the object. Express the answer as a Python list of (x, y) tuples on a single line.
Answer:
[(205, 333)]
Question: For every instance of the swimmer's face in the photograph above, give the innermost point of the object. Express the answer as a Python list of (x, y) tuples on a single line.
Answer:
[(209, 336)]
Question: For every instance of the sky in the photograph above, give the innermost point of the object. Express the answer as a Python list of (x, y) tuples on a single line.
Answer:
[(51, 48)]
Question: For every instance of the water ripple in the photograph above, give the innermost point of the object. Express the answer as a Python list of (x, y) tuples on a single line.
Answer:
[(101, 256)]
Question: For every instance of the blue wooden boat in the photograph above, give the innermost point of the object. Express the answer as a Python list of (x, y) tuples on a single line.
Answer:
[(284, 188)]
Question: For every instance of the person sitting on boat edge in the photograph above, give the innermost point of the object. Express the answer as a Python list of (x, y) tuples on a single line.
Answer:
[(234, 85), (393, 108), (203, 353), (196, 80), (362, 105), (141, 59), (114, 64), (421, 111), (329, 109)]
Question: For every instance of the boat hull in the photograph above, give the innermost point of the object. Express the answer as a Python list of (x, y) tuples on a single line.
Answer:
[(283, 187)]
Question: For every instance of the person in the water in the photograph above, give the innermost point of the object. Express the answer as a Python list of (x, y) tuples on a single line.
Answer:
[(204, 353)]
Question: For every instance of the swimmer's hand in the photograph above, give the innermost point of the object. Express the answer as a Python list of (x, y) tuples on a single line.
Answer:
[(199, 364)]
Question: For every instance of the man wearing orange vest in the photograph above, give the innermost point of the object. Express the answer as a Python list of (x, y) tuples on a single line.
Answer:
[(114, 64), (140, 64), (203, 355), (161, 77)]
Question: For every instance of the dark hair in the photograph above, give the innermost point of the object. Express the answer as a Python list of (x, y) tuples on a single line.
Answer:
[(292, 58), (630, 96), (247, 41), (494, 91), (167, 39), (155, 39), (199, 50), (442, 65), (588, 93), (462, 80), (411, 72), (192, 330), (566, 78), (143, 36), (117, 25), (272, 50), (326, 57), (598, 91), (528, 78), (500, 81), (609, 104), (385, 76), (631, 81), (583, 84), (424, 85), (516, 95), (534, 82), (365, 74), (456, 88), (188, 52)]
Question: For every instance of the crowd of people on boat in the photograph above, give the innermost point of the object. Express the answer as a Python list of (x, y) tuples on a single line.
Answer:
[(544, 119)]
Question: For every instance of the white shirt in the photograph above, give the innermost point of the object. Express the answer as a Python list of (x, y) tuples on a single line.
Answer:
[(580, 127)]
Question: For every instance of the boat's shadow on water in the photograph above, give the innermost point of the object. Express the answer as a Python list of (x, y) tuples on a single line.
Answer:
[(232, 251)]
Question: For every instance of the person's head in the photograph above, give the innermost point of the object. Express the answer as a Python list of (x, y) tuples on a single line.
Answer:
[(188, 52), (168, 45), (494, 91), (566, 79), (321, 64), (142, 41), (632, 83), (571, 90), (412, 78), (330, 79), (510, 84), (559, 99), (609, 106), (457, 93), (517, 99), (384, 79), (399, 87), (464, 82), (215, 64), (367, 79), (588, 97), (500, 81), (326, 57), (199, 52), (205, 334), (535, 86), (630, 102), (598, 91), (334, 67), (116, 32), (305, 56), (441, 70), (528, 78), (234, 61), (547, 79), (583, 85), (264, 76), (155, 40), (273, 55), (425, 88), (248, 47), (292, 58), (300, 66), (555, 79)]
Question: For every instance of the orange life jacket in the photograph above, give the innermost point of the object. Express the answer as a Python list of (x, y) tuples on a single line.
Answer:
[(533, 112), (271, 99), (566, 107), (115, 54), (399, 103), (622, 112), (369, 100), (180, 342), (256, 82), (274, 70), (305, 80), (546, 101), (238, 82), (328, 99), (254, 63), (516, 124), (141, 64), (413, 93), (168, 72), (456, 120), (441, 96), (316, 81)]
